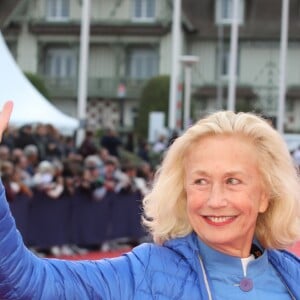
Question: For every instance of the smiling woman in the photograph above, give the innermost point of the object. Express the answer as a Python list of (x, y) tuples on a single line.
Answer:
[(222, 211), (247, 144), (224, 192)]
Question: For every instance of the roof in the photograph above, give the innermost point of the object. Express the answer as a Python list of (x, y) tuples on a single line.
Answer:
[(6, 9), (210, 91), (262, 19)]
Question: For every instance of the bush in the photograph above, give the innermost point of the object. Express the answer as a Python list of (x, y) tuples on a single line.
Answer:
[(154, 97), (38, 83)]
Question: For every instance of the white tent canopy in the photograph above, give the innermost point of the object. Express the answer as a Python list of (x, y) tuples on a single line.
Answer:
[(30, 106)]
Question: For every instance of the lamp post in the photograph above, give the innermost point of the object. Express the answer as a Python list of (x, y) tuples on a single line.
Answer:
[(282, 65), (188, 61), (83, 69), (175, 64), (233, 56)]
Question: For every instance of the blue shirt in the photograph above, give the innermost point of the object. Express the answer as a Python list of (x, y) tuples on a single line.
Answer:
[(227, 277)]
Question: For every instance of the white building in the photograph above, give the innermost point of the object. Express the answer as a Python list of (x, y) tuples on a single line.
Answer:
[(130, 42)]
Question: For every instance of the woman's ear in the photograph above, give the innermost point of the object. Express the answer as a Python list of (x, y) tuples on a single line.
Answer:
[(264, 202)]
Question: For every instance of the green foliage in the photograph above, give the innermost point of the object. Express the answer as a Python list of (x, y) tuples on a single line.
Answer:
[(38, 83), (247, 105), (154, 97)]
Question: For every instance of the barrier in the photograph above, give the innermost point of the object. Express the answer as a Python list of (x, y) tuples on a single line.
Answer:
[(77, 219)]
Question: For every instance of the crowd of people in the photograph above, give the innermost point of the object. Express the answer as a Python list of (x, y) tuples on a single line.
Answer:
[(37, 158)]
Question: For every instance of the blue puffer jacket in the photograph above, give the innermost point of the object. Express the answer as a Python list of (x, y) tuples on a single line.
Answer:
[(172, 271)]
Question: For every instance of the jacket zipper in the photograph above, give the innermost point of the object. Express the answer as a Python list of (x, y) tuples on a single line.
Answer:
[(205, 279)]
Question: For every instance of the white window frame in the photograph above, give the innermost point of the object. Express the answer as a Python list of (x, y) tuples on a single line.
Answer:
[(144, 14), (224, 12), (61, 63), (143, 63), (58, 10), (225, 62)]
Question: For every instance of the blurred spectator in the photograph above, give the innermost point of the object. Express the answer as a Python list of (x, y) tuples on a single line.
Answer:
[(114, 178), (69, 146), (144, 151), (103, 154), (21, 167), (9, 137), (13, 185), (41, 140), (25, 137), (15, 153), (111, 141), (45, 179), (134, 183), (88, 145), (130, 143), (93, 177), (4, 152), (72, 173), (146, 172), (32, 154), (54, 148), (160, 145)]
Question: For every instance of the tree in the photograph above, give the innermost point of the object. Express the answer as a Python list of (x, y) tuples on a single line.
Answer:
[(38, 83), (154, 97)]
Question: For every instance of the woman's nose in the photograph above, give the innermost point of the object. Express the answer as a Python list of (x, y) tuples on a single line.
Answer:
[(217, 196)]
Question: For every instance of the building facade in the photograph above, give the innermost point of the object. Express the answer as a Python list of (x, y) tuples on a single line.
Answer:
[(130, 42)]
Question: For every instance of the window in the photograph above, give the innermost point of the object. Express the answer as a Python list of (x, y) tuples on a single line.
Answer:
[(225, 57), (224, 11), (143, 63), (58, 9), (143, 10), (61, 63), (225, 63)]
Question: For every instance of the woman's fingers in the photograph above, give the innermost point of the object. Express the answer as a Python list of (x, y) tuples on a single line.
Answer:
[(5, 116)]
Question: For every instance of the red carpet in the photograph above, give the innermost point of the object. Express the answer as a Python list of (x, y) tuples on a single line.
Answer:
[(109, 254), (296, 249)]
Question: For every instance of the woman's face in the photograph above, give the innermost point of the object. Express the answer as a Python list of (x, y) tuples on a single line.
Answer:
[(224, 192)]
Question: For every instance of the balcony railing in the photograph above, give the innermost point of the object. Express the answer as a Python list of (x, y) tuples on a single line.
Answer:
[(96, 88)]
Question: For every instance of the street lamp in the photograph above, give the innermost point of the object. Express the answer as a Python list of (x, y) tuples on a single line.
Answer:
[(188, 61), (83, 69)]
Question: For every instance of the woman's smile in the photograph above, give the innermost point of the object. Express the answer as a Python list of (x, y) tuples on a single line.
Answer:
[(219, 220)]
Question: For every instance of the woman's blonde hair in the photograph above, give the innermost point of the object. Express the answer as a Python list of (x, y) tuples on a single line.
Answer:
[(165, 213)]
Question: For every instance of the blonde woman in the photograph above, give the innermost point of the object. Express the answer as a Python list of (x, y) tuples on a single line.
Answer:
[(222, 211)]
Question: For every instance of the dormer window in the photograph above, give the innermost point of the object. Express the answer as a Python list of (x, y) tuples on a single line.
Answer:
[(58, 10), (224, 11), (143, 10)]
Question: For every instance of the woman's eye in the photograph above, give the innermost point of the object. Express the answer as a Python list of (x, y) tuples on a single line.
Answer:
[(233, 181), (200, 181)]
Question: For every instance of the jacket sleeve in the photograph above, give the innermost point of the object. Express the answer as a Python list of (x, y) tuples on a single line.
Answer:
[(288, 267), (26, 276)]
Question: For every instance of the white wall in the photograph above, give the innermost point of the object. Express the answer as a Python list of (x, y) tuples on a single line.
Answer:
[(27, 51)]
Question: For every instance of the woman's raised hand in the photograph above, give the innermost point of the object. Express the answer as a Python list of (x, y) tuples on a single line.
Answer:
[(5, 114)]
